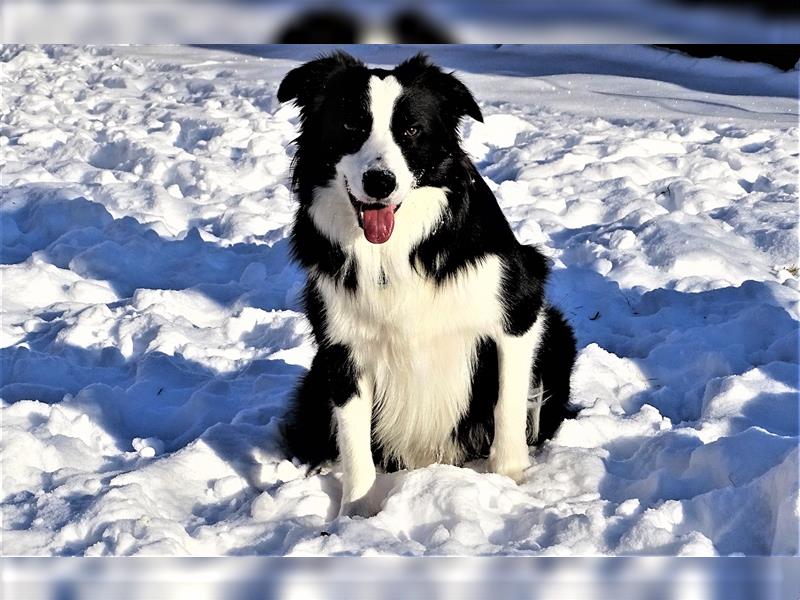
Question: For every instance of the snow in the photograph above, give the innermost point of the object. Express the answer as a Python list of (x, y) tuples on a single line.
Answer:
[(151, 329)]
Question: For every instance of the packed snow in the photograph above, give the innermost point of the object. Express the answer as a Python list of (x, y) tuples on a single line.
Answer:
[(151, 327)]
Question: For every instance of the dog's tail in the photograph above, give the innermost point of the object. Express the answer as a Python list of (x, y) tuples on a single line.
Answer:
[(550, 386)]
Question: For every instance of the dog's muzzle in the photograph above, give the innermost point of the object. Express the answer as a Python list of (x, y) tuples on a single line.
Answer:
[(375, 218)]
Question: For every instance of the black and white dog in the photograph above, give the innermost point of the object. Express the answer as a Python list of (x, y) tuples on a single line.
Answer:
[(435, 343)]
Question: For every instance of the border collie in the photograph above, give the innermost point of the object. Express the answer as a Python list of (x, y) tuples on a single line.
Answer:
[(435, 343)]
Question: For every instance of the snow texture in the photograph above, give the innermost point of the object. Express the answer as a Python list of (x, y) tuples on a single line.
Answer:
[(151, 330)]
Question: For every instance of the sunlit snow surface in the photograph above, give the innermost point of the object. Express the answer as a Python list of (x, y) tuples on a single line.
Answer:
[(151, 327)]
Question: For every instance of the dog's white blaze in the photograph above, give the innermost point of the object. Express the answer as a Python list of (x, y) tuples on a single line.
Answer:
[(380, 150)]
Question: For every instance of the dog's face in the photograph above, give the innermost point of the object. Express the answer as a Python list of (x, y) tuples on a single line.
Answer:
[(374, 135)]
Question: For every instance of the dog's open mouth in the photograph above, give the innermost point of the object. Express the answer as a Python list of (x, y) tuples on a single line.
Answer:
[(375, 218)]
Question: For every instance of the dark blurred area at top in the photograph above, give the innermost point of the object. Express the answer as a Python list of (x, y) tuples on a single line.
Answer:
[(331, 25), (336, 26), (665, 22)]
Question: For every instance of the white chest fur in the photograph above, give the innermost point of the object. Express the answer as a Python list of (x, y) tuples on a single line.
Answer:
[(414, 344)]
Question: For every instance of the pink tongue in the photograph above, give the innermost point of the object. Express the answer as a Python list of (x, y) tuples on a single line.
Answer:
[(378, 224)]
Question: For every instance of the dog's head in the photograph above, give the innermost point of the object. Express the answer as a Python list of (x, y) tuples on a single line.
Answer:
[(373, 136)]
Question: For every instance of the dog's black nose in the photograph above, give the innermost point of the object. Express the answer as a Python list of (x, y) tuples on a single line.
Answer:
[(378, 184)]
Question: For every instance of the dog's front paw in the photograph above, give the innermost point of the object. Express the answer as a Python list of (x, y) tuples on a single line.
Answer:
[(510, 465), (358, 508), (358, 494)]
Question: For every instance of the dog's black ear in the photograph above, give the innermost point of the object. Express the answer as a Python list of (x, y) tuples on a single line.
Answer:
[(462, 97), (419, 68), (307, 81)]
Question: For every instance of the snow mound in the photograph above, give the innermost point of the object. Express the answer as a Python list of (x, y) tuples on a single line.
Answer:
[(151, 329)]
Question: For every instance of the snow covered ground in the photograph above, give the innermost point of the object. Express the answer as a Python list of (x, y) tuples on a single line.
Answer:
[(151, 330)]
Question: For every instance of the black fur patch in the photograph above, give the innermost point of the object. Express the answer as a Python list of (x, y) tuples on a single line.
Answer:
[(332, 93), (553, 368), (473, 227), (475, 432), (312, 249), (315, 311), (524, 276)]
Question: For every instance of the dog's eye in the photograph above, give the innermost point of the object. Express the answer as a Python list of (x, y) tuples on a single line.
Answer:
[(411, 132), (353, 127)]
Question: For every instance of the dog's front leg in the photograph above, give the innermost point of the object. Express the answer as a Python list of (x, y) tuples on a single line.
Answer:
[(509, 452), (354, 435)]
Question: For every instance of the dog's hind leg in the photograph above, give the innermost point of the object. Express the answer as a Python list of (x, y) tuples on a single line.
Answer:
[(551, 375)]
